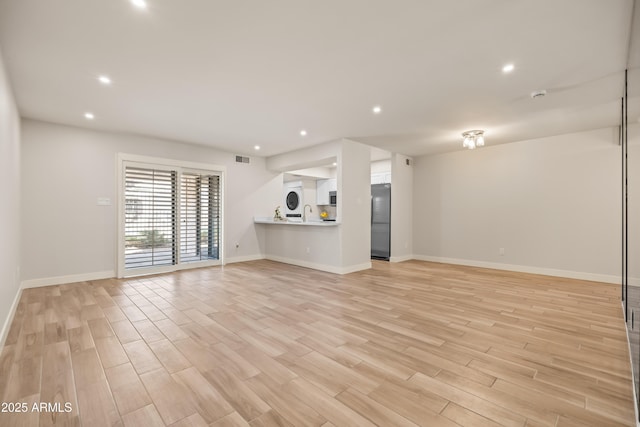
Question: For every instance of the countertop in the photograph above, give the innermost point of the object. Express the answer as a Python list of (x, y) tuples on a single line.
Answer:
[(309, 223)]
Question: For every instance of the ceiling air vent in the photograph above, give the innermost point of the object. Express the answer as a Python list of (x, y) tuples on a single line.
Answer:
[(242, 159)]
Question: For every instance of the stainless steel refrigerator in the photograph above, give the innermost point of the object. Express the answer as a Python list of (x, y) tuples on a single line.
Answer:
[(380, 221)]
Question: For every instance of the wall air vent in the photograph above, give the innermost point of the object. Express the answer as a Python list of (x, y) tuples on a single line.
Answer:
[(242, 159)]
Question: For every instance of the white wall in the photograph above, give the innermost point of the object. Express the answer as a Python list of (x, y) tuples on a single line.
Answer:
[(304, 158), (65, 235), (10, 204), (307, 246), (553, 204), (354, 205), (310, 192), (401, 208)]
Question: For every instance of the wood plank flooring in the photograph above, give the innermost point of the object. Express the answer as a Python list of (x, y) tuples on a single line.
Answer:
[(268, 344)]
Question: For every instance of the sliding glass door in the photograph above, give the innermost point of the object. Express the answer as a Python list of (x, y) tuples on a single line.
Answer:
[(170, 218)]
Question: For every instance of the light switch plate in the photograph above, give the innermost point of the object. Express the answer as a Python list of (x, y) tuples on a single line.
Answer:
[(104, 201)]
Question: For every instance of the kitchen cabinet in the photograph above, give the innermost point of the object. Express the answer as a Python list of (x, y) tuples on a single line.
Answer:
[(323, 187)]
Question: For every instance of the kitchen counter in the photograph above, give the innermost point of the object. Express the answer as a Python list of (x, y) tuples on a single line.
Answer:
[(309, 223)]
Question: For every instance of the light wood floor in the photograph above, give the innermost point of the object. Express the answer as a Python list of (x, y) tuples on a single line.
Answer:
[(267, 344)]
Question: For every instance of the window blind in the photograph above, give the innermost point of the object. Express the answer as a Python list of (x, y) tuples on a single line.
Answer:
[(199, 217), (150, 217)]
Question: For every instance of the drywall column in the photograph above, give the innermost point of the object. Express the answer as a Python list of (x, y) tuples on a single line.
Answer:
[(401, 208), (10, 205), (354, 205)]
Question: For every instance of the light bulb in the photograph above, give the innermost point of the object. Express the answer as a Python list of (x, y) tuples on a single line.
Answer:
[(140, 4)]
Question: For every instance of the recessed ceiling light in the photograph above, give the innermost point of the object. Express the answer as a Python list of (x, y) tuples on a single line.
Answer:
[(303, 132), (105, 80), (335, 163), (256, 147), (508, 68), (377, 109), (140, 4), (89, 116)]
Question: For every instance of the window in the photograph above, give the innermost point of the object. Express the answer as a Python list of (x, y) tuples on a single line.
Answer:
[(170, 217)]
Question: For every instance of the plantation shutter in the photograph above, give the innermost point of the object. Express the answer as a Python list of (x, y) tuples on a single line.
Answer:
[(199, 217), (150, 217)]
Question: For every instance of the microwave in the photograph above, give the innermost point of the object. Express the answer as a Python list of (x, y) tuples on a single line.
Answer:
[(333, 198)]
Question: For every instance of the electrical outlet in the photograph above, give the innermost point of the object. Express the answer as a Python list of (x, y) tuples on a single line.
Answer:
[(501, 251), (308, 250)]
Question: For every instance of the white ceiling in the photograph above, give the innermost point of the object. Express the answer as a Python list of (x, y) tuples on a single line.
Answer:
[(233, 74)]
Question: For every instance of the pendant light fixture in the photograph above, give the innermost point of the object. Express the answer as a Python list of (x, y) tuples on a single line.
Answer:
[(473, 139)]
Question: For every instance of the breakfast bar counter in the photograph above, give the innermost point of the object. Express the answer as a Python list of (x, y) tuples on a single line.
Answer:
[(296, 222)]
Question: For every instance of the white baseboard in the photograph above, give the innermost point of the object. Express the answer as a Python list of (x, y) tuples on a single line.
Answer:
[(60, 280), (321, 267), (355, 267), (244, 258), (633, 281), (401, 258), (9, 319)]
